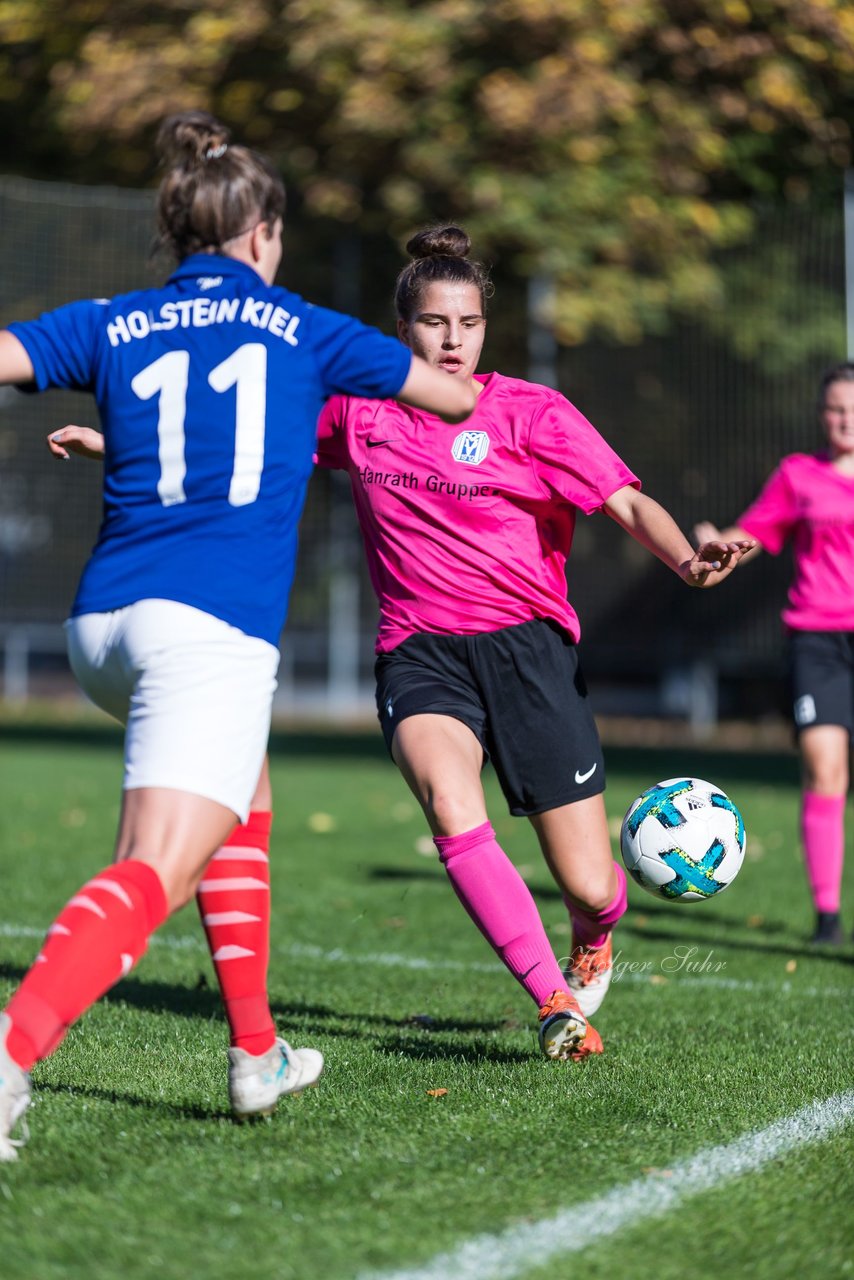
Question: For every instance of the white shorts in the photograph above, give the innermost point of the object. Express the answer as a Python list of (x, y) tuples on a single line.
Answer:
[(194, 693)]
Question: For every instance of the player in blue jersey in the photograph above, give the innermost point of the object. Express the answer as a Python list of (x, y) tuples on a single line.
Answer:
[(209, 389)]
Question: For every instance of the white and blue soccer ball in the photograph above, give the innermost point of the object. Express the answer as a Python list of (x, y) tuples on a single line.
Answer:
[(683, 840)]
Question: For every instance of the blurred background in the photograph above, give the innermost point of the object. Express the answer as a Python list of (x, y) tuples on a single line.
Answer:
[(658, 189)]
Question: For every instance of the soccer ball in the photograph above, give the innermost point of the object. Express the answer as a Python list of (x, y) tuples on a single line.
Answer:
[(683, 840)]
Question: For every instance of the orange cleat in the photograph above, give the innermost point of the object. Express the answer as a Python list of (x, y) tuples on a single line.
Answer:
[(588, 974), (564, 1031)]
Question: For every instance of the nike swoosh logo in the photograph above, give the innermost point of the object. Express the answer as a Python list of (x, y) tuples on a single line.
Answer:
[(376, 444), (523, 976), (582, 777)]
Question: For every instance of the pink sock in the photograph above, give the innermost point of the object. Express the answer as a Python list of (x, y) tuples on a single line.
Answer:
[(95, 940), (500, 903), (823, 836), (591, 928)]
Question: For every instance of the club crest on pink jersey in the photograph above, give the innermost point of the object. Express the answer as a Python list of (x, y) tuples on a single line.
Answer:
[(471, 447)]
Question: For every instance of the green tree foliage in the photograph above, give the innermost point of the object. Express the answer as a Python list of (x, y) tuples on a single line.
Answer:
[(615, 145)]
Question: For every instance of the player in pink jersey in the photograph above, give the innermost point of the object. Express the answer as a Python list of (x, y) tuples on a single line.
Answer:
[(467, 533), (809, 501)]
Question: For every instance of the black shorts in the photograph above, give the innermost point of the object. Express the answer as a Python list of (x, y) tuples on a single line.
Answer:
[(521, 692), (822, 678)]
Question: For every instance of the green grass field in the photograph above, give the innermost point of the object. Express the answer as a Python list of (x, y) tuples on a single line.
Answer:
[(722, 1021)]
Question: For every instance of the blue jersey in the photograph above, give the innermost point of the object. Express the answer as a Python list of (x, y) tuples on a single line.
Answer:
[(209, 391)]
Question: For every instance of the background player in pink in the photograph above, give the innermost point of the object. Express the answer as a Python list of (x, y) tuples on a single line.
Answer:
[(467, 532), (208, 389), (809, 501)]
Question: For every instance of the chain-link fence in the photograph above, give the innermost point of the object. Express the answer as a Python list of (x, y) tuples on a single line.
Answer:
[(701, 417)]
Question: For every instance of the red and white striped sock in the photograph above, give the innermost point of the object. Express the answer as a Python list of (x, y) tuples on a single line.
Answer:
[(234, 904), (95, 940)]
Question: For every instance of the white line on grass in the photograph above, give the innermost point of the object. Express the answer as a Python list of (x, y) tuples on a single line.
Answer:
[(391, 960), (299, 951), (509, 1254)]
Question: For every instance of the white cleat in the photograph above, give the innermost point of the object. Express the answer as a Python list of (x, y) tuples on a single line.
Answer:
[(14, 1097), (255, 1083), (588, 975)]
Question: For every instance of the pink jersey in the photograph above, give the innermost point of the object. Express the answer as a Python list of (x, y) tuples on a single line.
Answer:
[(467, 528), (810, 501)]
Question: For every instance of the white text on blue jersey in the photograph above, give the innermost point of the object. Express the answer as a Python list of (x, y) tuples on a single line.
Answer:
[(199, 312)]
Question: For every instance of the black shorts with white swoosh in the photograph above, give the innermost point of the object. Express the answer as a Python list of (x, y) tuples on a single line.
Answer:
[(521, 692)]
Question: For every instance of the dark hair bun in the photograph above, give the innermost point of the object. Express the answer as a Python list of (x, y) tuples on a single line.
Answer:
[(189, 137), (439, 242)]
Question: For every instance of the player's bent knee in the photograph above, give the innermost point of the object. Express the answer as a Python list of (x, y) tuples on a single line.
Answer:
[(594, 892), (179, 883), (452, 815), (589, 899)]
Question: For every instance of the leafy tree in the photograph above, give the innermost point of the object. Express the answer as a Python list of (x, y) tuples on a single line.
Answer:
[(613, 145)]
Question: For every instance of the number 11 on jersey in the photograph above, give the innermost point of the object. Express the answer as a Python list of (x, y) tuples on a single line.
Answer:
[(246, 370)]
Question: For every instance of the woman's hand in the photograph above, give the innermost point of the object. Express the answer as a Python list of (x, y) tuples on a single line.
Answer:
[(85, 441), (713, 561)]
